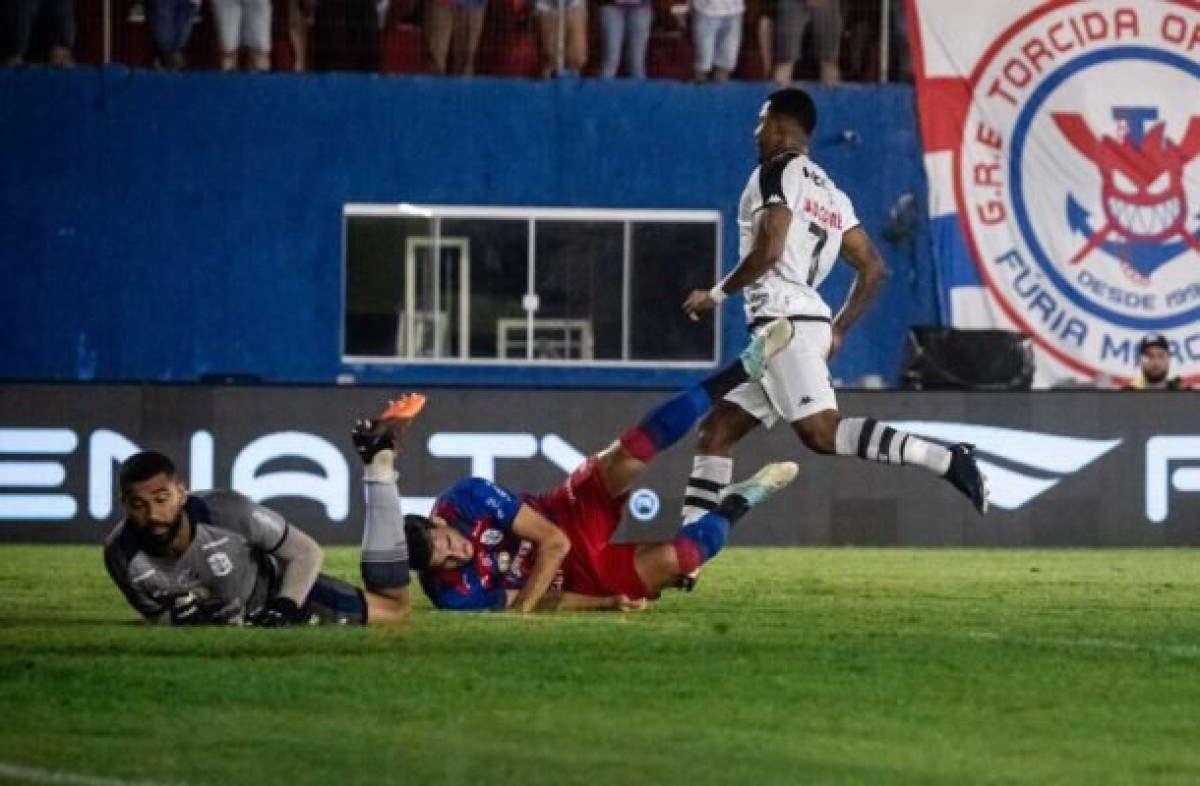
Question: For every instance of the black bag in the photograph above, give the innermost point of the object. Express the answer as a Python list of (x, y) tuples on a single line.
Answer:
[(939, 358)]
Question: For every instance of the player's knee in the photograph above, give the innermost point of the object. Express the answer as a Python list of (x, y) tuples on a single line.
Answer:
[(819, 434), (715, 436), (818, 443)]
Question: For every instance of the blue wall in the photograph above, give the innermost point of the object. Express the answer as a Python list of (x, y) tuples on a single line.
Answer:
[(165, 226)]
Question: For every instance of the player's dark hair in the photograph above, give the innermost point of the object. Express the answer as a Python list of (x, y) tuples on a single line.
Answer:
[(143, 466), (794, 103), (416, 533)]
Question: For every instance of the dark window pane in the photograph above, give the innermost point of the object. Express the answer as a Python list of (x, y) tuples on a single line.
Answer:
[(475, 300), (375, 249), (578, 279), (498, 251), (669, 261)]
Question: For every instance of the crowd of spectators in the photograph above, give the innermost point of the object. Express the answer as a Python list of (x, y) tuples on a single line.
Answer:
[(700, 40), (55, 20)]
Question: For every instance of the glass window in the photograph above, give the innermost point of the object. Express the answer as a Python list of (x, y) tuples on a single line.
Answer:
[(578, 274), (497, 253), (526, 286), (661, 276), (374, 276)]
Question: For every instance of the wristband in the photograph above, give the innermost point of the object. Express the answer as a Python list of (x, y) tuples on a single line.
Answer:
[(718, 295)]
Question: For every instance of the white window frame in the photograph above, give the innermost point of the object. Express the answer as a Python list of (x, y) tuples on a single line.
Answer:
[(532, 215)]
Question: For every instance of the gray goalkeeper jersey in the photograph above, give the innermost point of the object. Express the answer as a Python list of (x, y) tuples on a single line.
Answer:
[(228, 560)]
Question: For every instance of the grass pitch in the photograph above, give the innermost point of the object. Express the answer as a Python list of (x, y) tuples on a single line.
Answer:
[(785, 666)]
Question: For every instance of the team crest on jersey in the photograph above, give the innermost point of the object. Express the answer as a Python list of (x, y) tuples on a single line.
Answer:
[(1078, 180), (491, 537), (220, 564)]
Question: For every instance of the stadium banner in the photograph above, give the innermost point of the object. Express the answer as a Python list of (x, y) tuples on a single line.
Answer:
[(1066, 468), (1061, 147)]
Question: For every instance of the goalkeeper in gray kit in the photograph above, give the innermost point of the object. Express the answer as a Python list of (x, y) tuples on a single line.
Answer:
[(216, 557)]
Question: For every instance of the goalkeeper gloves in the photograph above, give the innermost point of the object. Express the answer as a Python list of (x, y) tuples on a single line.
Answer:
[(277, 613)]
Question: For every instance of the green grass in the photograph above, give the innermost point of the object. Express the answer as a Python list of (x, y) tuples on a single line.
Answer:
[(785, 666)]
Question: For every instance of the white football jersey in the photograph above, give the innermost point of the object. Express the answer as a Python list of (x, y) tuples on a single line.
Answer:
[(821, 214)]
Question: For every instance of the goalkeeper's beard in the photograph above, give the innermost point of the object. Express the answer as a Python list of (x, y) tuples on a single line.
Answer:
[(159, 542)]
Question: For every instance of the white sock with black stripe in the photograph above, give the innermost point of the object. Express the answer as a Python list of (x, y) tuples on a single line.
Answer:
[(869, 439), (710, 475)]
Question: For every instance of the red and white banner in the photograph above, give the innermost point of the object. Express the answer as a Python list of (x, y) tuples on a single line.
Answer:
[(1062, 145)]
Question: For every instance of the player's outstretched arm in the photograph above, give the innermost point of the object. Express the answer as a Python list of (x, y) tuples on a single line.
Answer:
[(552, 548), (869, 274), (770, 237)]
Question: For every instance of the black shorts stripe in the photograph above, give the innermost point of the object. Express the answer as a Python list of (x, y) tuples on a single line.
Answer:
[(760, 321)]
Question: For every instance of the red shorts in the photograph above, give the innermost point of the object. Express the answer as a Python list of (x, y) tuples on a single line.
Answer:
[(583, 508)]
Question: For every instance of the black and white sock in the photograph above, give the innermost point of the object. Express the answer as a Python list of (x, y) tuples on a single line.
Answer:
[(869, 439), (710, 475)]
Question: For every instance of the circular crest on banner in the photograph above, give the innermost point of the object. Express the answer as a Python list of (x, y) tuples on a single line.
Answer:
[(1077, 180)]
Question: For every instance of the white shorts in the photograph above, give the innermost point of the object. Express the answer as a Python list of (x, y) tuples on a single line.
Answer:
[(243, 23), (797, 382)]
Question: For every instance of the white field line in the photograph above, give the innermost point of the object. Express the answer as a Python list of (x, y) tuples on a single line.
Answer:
[(34, 775)]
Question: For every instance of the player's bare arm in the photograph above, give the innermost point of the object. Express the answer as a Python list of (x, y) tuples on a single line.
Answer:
[(770, 237), (869, 274), (552, 548)]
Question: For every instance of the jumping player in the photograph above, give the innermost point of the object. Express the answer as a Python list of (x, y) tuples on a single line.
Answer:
[(793, 223), (216, 557), (484, 547)]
